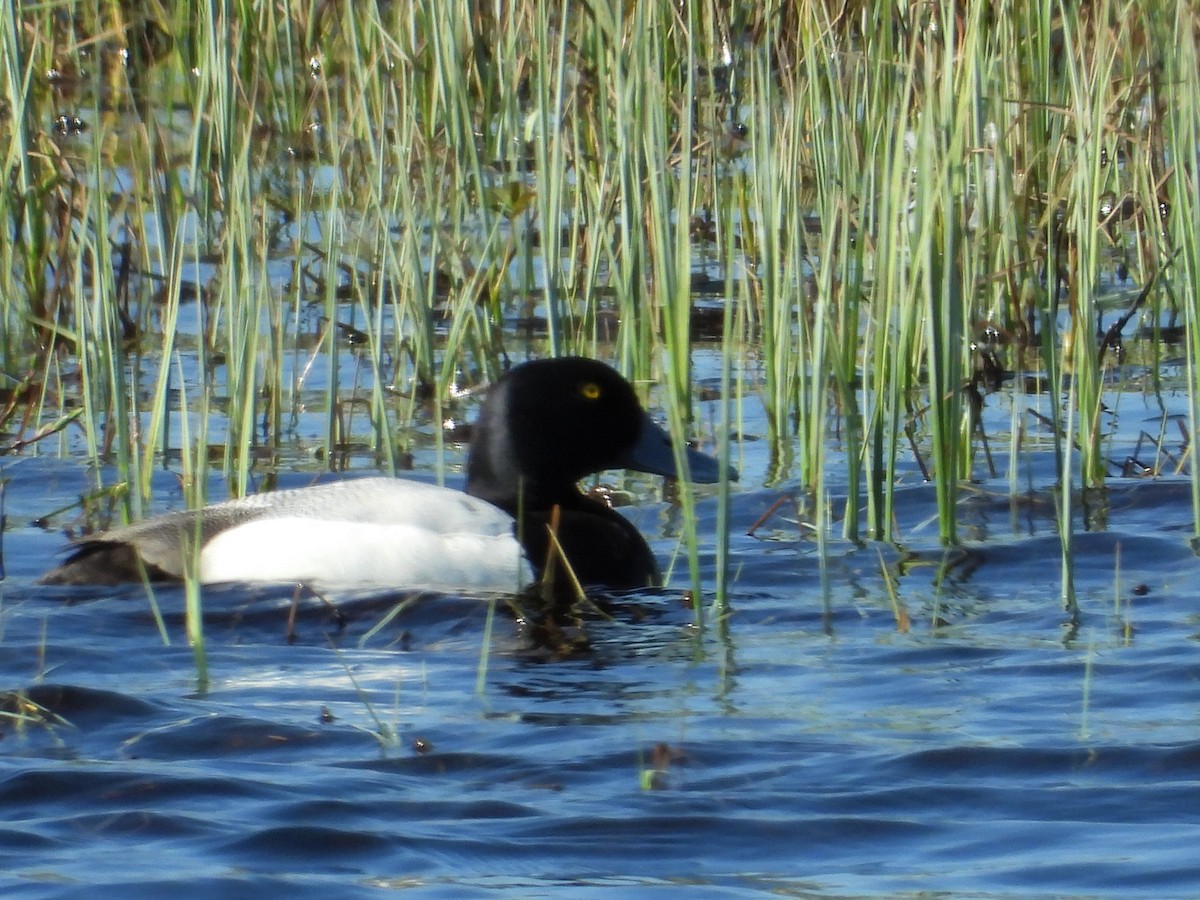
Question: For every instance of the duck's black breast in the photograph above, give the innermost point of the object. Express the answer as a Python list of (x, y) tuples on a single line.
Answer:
[(601, 546)]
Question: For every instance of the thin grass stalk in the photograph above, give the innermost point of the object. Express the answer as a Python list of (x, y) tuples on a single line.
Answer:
[(239, 305), (469, 330), (193, 607), (331, 209), (940, 154), (810, 283), (239, 296), (1065, 505), (1044, 127), (1061, 419), (384, 445), (212, 143), (968, 85), (815, 338), (467, 188), (417, 288), (1182, 69), (157, 428), (830, 343), (162, 255), (446, 195), (504, 83), (118, 389), (272, 389), (836, 352), (1000, 211), (632, 93), (28, 227), (672, 223), (850, 247), (1089, 76), (551, 163), (485, 648), (365, 103), (400, 259), (334, 227), (818, 103), (762, 224), (720, 605), (593, 160), (898, 308), (668, 214), (974, 87), (677, 316)]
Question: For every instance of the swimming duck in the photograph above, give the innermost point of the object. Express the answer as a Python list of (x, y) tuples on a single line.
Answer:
[(543, 426)]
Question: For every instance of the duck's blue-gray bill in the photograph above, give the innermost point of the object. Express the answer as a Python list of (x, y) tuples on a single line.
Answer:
[(653, 453)]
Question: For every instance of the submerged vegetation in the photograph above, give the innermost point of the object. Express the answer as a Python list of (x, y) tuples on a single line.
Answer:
[(220, 217)]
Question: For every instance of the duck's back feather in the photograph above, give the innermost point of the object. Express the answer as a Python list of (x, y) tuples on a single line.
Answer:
[(369, 531)]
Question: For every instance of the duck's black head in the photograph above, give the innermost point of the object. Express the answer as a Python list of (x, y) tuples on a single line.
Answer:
[(548, 423), (551, 422)]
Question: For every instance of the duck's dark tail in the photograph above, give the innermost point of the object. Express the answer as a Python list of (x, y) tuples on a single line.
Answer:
[(104, 562)]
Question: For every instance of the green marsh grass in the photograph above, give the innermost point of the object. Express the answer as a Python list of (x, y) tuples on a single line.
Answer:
[(1181, 138), (458, 186)]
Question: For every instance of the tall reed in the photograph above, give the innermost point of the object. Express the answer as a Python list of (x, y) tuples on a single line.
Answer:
[(1181, 138)]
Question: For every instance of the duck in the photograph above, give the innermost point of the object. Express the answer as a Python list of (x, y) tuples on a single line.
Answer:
[(542, 427)]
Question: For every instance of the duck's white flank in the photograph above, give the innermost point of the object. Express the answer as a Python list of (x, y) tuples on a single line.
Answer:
[(371, 532)]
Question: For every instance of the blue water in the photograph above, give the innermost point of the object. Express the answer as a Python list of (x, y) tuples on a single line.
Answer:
[(970, 738)]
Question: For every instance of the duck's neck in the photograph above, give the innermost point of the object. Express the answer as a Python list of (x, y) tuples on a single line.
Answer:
[(520, 495), (497, 473)]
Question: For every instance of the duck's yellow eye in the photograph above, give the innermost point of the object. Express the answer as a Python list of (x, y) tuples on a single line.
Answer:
[(590, 391)]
